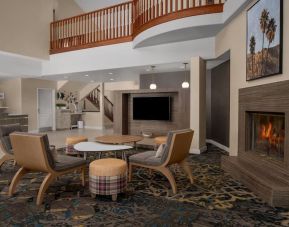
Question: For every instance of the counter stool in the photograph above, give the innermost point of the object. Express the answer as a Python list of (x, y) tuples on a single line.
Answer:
[(71, 141), (107, 177)]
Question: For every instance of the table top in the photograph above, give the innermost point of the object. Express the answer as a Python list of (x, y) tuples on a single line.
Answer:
[(97, 147), (118, 139)]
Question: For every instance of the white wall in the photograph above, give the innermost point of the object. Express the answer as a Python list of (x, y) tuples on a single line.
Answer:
[(93, 58), (89, 5), (233, 38)]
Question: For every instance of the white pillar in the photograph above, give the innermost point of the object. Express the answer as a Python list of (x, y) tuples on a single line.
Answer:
[(198, 104)]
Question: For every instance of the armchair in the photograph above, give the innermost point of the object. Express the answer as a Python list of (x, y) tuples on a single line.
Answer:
[(32, 152), (5, 143), (175, 151)]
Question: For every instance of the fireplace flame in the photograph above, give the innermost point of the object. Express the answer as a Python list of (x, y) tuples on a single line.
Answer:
[(266, 131), (269, 134)]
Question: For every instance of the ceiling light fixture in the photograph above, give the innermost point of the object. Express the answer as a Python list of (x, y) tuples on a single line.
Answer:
[(110, 73), (153, 85), (185, 84), (86, 75), (111, 79), (92, 81)]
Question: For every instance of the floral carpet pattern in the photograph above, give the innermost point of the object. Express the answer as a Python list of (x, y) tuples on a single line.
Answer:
[(215, 199)]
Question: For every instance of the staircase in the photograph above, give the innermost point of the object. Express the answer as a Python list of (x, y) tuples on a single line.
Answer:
[(108, 108), (91, 102)]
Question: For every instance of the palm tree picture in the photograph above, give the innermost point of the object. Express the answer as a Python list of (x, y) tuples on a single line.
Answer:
[(264, 39)]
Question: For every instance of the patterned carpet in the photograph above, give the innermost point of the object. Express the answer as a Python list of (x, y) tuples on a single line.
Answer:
[(215, 199)]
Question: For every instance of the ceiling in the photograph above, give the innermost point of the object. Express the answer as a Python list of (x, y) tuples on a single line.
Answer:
[(129, 74), (115, 75)]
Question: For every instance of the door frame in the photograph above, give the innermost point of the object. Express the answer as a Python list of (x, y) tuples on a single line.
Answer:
[(53, 107)]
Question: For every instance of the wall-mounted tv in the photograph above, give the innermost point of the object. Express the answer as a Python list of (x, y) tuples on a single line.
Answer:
[(152, 108)]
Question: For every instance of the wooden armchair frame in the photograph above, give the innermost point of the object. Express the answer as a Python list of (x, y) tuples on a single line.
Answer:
[(30, 153), (178, 152)]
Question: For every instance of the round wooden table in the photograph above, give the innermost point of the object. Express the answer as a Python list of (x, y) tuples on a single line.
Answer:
[(119, 139)]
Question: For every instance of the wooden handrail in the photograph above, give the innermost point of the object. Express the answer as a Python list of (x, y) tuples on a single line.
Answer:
[(122, 22)]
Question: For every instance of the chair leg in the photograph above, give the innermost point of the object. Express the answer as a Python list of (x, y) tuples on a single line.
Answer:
[(130, 169), (46, 182), (165, 171), (4, 159), (20, 173), (187, 169), (83, 176), (114, 197)]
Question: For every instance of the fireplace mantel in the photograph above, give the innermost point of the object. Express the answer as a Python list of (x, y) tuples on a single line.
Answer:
[(267, 178)]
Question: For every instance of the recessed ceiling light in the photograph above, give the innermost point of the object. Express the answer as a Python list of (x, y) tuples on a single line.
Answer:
[(86, 75), (111, 79), (148, 70), (92, 81), (110, 73)]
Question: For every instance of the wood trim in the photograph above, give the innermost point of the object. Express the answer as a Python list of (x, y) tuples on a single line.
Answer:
[(209, 9), (91, 45), (81, 31)]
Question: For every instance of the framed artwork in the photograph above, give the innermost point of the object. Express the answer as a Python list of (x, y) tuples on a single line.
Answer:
[(264, 39)]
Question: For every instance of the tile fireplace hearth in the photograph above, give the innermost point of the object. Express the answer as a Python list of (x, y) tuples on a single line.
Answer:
[(263, 148)]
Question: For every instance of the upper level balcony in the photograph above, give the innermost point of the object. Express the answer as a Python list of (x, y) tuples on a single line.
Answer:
[(123, 22)]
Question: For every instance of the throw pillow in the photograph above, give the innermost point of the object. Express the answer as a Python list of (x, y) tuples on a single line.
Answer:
[(53, 152), (160, 151)]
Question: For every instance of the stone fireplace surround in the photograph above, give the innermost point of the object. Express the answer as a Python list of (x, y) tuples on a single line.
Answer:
[(267, 178)]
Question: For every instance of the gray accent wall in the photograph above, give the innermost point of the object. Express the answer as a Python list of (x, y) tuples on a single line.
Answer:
[(218, 113)]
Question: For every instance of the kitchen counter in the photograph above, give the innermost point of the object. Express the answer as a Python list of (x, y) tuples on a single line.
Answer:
[(22, 119)]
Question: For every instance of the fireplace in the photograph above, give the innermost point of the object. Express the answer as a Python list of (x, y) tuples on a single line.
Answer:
[(262, 163), (267, 135)]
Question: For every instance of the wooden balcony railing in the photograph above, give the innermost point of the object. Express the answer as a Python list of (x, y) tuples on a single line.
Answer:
[(120, 23)]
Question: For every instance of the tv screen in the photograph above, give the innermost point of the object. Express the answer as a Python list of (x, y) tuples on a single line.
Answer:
[(152, 108)]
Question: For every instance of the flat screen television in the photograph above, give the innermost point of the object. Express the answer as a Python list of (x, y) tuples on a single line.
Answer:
[(152, 108)]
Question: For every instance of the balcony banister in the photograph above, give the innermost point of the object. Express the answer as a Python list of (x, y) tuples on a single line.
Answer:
[(122, 22)]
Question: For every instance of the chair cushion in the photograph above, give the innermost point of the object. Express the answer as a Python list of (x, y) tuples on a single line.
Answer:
[(5, 131), (146, 158), (67, 162)]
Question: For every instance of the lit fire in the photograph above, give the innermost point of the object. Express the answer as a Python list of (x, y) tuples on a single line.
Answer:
[(269, 134)]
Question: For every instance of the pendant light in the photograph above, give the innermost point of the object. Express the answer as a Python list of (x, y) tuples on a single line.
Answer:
[(185, 84), (153, 85)]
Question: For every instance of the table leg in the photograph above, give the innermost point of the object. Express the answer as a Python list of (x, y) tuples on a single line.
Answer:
[(123, 155), (135, 146), (84, 155), (99, 155)]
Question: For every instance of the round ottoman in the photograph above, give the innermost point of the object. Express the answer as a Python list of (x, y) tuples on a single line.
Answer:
[(107, 177), (160, 140), (71, 141)]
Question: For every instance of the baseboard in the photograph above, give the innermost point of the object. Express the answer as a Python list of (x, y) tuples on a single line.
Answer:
[(93, 127), (221, 146), (198, 151)]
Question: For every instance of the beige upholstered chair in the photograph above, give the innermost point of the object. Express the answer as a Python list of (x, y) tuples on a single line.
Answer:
[(5, 143), (175, 151), (32, 152)]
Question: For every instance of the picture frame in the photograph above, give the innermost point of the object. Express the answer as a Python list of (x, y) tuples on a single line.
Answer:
[(264, 51)]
